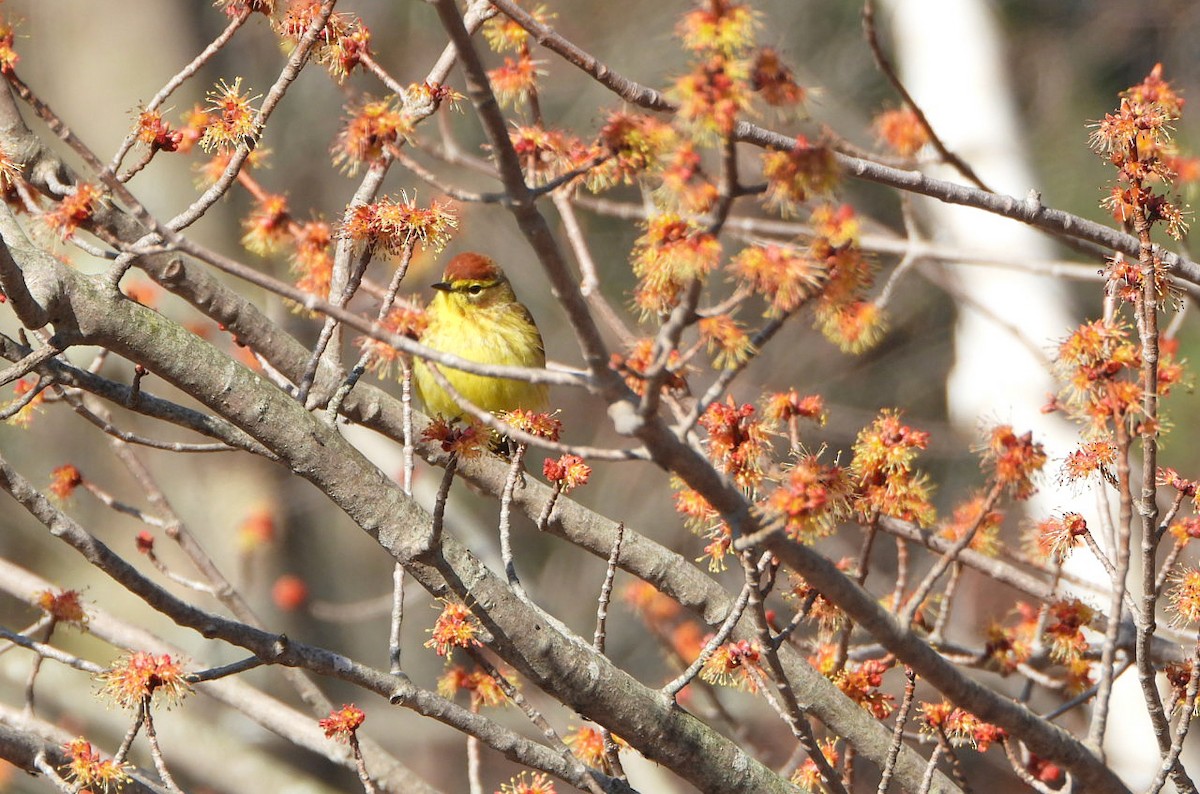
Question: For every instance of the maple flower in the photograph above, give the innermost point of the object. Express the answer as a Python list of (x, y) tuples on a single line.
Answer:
[(464, 440), (784, 406), (1057, 536), (723, 334), (455, 627), (773, 80), (542, 425), (652, 606), (737, 441), (568, 472), (393, 224), (483, 688), (64, 480), (232, 120), (587, 743), (516, 80), (733, 664), (267, 225), (257, 529), (22, 387), (639, 360), (820, 610), (794, 175), (901, 130), (8, 52), (370, 127), (883, 456), (808, 776), (529, 783), (342, 723), (289, 593), (684, 186), (312, 257), (546, 154), (854, 327), (1005, 650), (718, 26), (861, 684), (784, 277), (1013, 460), (671, 253), (155, 132), (74, 210), (408, 318), (191, 128), (1136, 140), (711, 96), (968, 515), (88, 770), (138, 676), (339, 46), (1184, 596), (810, 498), (1065, 630), (65, 606), (638, 143), (1095, 456), (1185, 529)]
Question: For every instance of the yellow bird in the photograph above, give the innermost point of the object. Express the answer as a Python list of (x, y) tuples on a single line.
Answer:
[(475, 315)]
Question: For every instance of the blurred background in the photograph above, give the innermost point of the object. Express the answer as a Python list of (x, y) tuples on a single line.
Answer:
[(95, 64)]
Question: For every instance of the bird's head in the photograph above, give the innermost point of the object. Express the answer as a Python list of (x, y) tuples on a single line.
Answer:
[(474, 279)]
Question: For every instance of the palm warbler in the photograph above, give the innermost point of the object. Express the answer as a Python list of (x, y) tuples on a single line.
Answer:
[(475, 315)]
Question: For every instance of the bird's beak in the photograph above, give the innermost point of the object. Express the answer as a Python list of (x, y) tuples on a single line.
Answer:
[(442, 286)]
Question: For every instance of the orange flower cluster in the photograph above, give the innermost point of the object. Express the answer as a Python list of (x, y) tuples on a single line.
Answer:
[(1136, 140), (886, 484), (797, 174), (370, 129), (231, 119), (1013, 460), (638, 144), (960, 727), (139, 676), (392, 224), (810, 498), (88, 770), (861, 684), (1058, 535), (638, 362), (672, 253), (75, 210), (737, 441), (783, 276), (464, 440), (64, 480), (65, 606), (568, 472), (817, 607), (808, 776), (969, 514), (342, 723), (1100, 363), (529, 783), (408, 318), (340, 45), (156, 134), (455, 627), (483, 688), (734, 664), (901, 131)]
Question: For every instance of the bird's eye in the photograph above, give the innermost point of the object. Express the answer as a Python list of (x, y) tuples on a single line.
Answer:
[(475, 289)]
